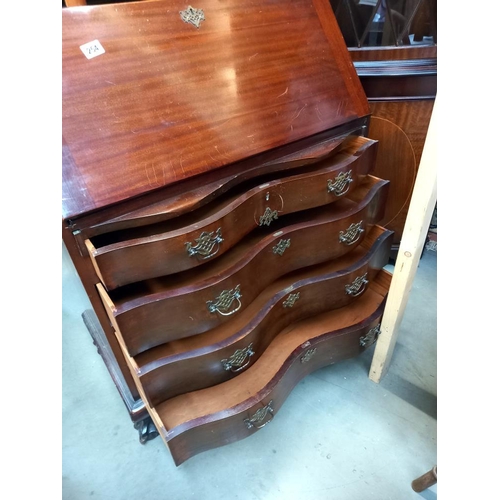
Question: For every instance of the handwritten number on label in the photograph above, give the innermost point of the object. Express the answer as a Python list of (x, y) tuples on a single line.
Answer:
[(92, 49)]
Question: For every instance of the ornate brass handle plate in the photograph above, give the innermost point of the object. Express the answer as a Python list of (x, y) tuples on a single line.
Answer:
[(257, 419), (239, 360), (192, 16), (223, 303), (281, 246), (308, 355), (205, 244), (268, 216), (352, 234), (341, 184), (370, 337), (291, 299), (358, 286)]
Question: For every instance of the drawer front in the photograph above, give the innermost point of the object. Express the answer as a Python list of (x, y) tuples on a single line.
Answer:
[(207, 237), (169, 314), (194, 196), (300, 297), (259, 409)]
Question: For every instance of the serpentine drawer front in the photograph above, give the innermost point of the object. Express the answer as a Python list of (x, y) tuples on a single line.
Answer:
[(157, 311), (200, 420), (211, 358), (219, 207), (164, 248)]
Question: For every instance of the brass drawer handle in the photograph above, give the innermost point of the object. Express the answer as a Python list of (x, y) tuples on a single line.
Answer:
[(236, 362), (352, 234), (205, 243), (291, 299), (281, 246), (370, 337), (308, 355), (358, 286), (224, 301), (268, 216), (258, 417), (341, 183)]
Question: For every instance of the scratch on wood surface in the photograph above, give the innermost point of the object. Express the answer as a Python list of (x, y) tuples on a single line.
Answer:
[(220, 125), (180, 163), (223, 154), (283, 93), (111, 83), (173, 169), (318, 113), (251, 57), (341, 106), (155, 182), (300, 111)]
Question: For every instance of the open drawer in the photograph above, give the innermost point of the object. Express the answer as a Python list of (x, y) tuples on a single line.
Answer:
[(200, 420)]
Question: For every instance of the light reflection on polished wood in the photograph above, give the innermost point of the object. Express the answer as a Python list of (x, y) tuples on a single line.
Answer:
[(167, 100)]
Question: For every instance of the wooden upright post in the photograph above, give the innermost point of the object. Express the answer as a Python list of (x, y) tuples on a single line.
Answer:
[(412, 241)]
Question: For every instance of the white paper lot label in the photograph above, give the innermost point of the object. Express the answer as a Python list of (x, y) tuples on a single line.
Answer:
[(92, 49)]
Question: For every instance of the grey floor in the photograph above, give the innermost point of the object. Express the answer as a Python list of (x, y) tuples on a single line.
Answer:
[(338, 436)]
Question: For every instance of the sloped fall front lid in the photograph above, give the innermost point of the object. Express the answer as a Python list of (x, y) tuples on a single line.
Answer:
[(150, 99)]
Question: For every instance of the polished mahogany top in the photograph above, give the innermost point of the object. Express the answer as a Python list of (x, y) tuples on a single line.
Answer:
[(168, 100)]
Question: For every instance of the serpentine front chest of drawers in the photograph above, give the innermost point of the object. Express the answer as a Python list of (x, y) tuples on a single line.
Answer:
[(218, 205)]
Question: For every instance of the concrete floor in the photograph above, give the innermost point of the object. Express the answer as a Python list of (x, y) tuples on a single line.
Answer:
[(338, 436)]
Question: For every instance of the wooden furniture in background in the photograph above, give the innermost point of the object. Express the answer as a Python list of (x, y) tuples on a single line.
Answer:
[(219, 206), (397, 66), (401, 93)]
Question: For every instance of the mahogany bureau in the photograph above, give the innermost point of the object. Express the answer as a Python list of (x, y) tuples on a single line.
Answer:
[(219, 207)]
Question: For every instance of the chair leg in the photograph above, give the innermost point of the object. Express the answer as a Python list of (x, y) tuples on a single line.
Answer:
[(425, 480)]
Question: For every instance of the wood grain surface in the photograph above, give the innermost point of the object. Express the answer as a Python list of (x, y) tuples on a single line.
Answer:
[(167, 101), (192, 198), (401, 129)]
